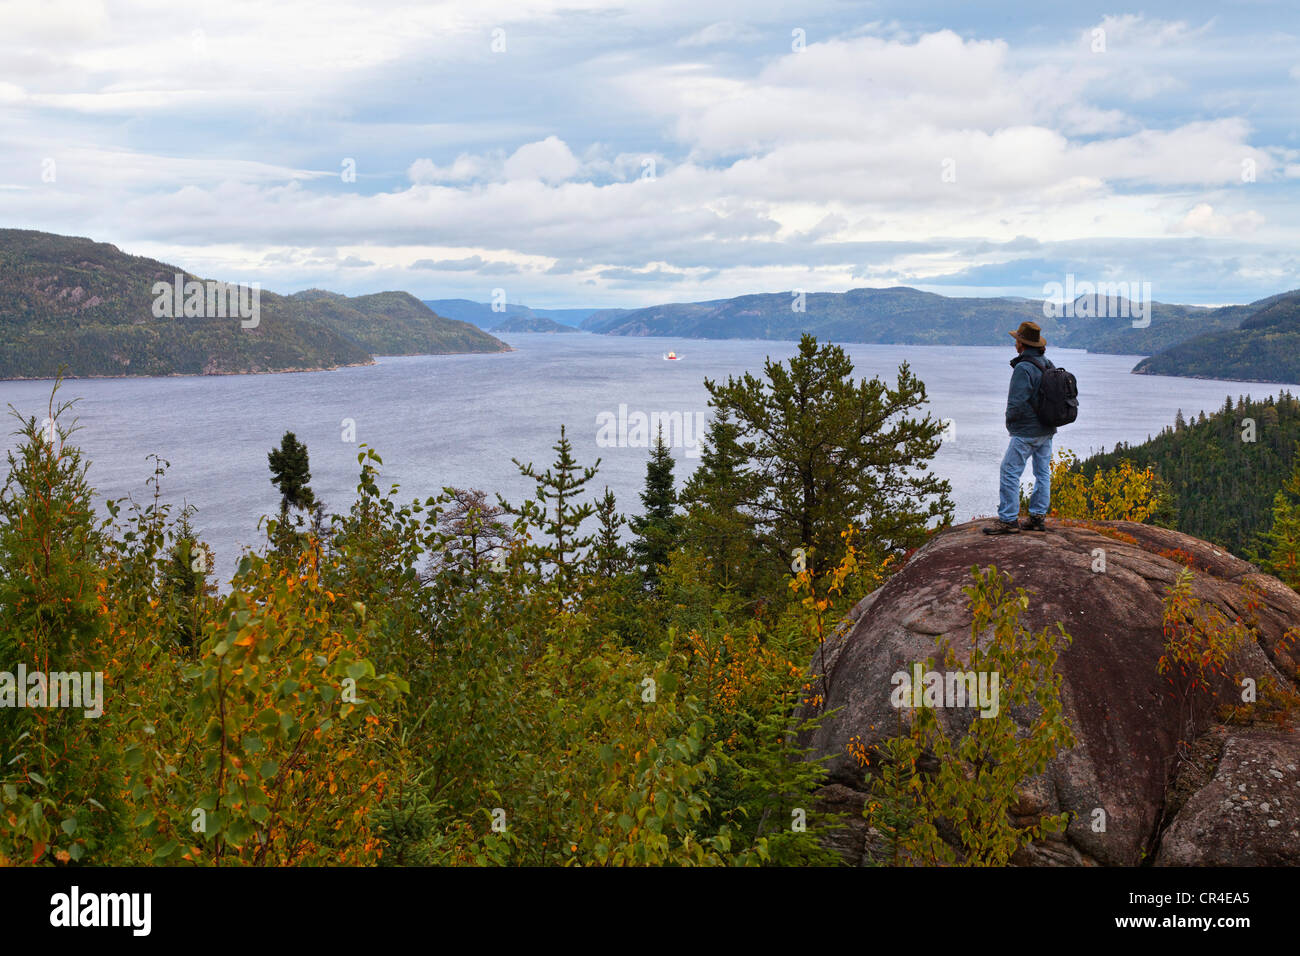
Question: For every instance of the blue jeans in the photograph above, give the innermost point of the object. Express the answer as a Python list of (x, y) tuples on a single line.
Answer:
[(1013, 465)]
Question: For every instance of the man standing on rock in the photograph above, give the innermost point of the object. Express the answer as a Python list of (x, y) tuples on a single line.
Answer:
[(1030, 438)]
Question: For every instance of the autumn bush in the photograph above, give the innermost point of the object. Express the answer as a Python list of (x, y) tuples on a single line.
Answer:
[(447, 680), (1119, 493)]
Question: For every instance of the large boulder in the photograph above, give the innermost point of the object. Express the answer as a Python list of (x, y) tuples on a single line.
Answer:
[(1130, 723), (1248, 813)]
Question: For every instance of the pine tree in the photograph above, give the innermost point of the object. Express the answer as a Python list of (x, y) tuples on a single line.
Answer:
[(657, 530), (291, 474), (828, 451), (556, 510)]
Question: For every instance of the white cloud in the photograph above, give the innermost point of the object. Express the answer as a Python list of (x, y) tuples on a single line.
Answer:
[(724, 31), (549, 160), (826, 163), (1202, 220), (464, 168), (1137, 32)]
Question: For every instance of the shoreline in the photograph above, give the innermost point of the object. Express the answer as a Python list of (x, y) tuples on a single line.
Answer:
[(277, 371)]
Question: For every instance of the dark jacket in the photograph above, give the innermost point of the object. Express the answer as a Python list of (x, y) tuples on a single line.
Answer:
[(1025, 376)]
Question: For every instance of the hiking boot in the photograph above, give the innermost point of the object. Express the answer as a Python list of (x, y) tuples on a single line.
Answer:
[(1002, 527), (1035, 523)]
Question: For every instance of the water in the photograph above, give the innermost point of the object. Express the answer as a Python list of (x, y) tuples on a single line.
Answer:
[(458, 420)]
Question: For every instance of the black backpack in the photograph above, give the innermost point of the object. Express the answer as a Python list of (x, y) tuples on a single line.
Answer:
[(1056, 402)]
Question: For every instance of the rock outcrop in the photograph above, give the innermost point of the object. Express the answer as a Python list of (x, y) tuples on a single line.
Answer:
[(1135, 732)]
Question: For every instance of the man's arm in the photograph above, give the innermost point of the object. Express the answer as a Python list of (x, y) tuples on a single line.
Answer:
[(1018, 407)]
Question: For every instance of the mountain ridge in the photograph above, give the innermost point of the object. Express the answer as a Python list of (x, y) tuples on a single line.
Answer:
[(902, 315), (89, 308), (1264, 347)]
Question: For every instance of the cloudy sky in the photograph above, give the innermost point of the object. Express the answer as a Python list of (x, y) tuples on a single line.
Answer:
[(598, 153)]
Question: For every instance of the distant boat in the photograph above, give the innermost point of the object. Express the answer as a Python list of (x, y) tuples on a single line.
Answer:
[(671, 357)]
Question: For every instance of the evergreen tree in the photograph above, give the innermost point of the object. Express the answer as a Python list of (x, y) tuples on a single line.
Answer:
[(826, 451), (184, 581), (557, 511), (611, 555), (1222, 487), (716, 523), (657, 530), (1280, 545), (291, 474)]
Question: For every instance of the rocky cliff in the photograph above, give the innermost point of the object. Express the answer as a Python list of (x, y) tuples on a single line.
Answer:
[(1176, 786)]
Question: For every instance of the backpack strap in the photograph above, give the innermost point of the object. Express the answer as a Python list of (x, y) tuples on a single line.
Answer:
[(1037, 362)]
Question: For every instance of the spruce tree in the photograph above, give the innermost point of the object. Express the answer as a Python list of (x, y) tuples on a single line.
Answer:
[(291, 474), (557, 511), (611, 556), (1280, 551), (716, 523), (657, 530)]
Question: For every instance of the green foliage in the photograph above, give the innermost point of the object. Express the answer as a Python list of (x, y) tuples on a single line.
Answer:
[(291, 473), (945, 789), (822, 450), (1223, 486), (388, 323), (550, 708), (184, 585), (611, 556), (57, 794), (1265, 347), (556, 510), (1279, 546), (656, 530)]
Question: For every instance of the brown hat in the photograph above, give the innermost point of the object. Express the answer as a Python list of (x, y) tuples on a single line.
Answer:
[(1029, 334)]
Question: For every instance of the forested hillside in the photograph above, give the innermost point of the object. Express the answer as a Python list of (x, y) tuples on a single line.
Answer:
[(1223, 469), (531, 323), (1264, 348), (67, 301), (390, 323), (908, 316)]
